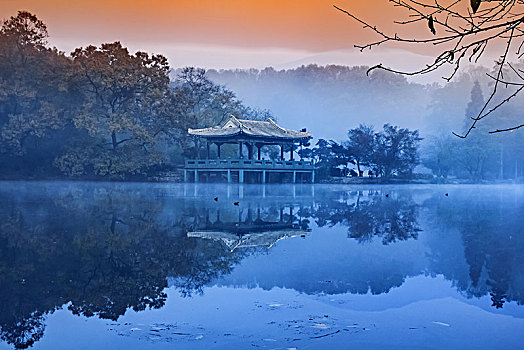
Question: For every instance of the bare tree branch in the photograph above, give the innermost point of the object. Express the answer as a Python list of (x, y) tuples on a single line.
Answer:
[(461, 31)]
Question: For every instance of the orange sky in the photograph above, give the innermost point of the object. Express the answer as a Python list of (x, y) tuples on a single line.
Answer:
[(304, 24), (208, 32)]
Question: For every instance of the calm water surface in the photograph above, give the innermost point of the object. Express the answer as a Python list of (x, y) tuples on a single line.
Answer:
[(162, 266)]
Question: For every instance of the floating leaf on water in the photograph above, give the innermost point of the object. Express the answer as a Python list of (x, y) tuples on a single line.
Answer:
[(320, 326)]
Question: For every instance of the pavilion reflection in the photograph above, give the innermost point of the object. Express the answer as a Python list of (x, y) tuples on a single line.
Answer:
[(253, 227)]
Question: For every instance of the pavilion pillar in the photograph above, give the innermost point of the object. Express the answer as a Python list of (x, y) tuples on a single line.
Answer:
[(196, 176), (259, 146), (228, 176), (292, 151), (294, 176), (197, 144), (263, 176), (185, 175), (241, 176), (207, 147), (240, 150), (218, 149), (249, 151), (281, 152)]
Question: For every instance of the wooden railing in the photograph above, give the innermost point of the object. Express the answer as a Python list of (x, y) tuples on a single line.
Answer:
[(248, 164)]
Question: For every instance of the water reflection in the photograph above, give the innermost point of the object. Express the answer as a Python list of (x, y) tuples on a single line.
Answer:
[(369, 214), (101, 249), (255, 227), (491, 228)]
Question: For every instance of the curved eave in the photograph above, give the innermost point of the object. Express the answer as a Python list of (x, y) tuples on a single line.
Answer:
[(210, 134), (202, 133)]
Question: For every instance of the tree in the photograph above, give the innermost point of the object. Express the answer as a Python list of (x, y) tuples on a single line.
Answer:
[(26, 30), (439, 155), (327, 157), (395, 151), (37, 99), (125, 105), (360, 145), (462, 32), (475, 153), (34, 100)]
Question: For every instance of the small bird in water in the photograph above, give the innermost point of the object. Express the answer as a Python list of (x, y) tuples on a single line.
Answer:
[(236, 203), (446, 194), (216, 199), (387, 194)]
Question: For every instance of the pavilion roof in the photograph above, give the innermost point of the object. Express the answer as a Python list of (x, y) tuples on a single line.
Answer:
[(233, 241), (254, 128)]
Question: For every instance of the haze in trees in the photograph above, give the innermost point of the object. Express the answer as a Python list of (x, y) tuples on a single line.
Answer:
[(101, 111)]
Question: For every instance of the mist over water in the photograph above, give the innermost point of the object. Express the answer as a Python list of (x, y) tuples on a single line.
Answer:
[(157, 265)]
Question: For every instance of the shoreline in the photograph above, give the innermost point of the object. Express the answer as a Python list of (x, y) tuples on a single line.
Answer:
[(332, 181)]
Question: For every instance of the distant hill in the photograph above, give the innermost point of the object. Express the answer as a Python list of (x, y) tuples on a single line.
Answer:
[(329, 100)]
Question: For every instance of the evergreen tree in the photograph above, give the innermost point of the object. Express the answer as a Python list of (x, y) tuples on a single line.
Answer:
[(475, 154)]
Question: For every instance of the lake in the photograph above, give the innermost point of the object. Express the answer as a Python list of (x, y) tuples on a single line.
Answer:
[(184, 266)]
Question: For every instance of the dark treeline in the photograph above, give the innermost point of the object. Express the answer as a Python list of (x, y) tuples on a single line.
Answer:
[(389, 153), (100, 111)]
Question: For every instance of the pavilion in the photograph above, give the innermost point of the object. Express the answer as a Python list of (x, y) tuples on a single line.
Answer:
[(253, 135)]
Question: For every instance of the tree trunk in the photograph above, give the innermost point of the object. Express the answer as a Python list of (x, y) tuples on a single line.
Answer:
[(501, 175), (113, 139)]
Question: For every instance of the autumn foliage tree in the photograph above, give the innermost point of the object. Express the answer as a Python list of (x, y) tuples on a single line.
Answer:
[(124, 98), (100, 111), (34, 100)]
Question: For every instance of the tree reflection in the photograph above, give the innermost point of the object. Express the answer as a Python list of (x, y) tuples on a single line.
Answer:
[(371, 214), (104, 249), (102, 252), (490, 231)]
